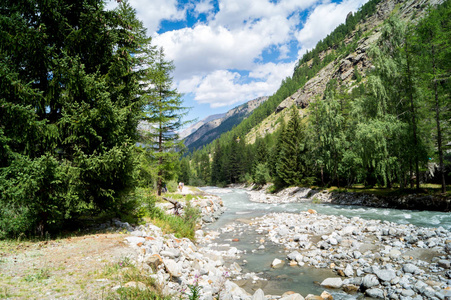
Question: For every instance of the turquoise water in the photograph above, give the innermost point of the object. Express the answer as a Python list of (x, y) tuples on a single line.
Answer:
[(303, 280)]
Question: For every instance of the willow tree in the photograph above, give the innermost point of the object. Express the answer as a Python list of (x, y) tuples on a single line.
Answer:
[(69, 107), (164, 111)]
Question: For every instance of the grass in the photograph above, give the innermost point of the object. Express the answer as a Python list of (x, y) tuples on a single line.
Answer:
[(124, 272), (40, 274), (180, 226)]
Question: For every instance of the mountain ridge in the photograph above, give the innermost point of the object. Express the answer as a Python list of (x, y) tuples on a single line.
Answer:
[(210, 130)]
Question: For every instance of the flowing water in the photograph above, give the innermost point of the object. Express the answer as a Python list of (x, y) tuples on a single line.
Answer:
[(303, 280)]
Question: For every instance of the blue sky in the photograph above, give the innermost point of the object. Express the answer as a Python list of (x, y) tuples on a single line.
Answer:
[(227, 52)]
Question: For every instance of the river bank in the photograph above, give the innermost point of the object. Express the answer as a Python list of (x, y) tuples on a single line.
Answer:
[(379, 259), (298, 194)]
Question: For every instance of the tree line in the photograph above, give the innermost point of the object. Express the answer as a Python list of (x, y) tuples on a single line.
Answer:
[(387, 130), (75, 82)]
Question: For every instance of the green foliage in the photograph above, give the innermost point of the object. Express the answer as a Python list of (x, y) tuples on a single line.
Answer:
[(261, 174), (164, 110), (290, 165), (124, 271), (69, 108)]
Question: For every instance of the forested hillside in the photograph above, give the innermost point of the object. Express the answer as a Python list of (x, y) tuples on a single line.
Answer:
[(370, 105)]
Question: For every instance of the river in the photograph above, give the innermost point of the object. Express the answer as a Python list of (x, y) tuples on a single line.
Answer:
[(303, 280)]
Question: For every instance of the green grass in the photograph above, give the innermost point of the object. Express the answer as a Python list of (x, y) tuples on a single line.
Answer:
[(123, 272), (40, 274), (180, 226)]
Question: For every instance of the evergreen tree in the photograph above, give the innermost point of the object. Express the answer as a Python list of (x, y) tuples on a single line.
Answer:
[(290, 166), (69, 108), (164, 111), (185, 170)]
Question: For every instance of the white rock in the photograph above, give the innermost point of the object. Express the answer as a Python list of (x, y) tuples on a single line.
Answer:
[(277, 263), (173, 268), (334, 283)]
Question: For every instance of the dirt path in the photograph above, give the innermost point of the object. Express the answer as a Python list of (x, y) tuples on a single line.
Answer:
[(70, 268)]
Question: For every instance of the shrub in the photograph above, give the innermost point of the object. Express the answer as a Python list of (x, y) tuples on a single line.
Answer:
[(261, 175)]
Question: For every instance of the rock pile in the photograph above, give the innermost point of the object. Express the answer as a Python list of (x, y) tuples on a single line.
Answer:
[(381, 259)]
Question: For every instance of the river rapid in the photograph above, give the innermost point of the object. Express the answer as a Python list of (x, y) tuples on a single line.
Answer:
[(244, 225)]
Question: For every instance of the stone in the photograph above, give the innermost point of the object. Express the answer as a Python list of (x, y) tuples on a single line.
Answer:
[(370, 281), (293, 255), (375, 293), (171, 253), (277, 263), (394, 254), (410, 268), (174, 269), (294, 296), (259, 295), (232, 291), (137, 233), (327, 296), (385, 275), (135, 240), (153, 261), (348, 271), (334, 283), (407, 293), (350, 288), (312, 211), (443, 263)]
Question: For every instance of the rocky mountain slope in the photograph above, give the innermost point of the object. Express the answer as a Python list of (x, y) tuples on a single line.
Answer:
[(208, 131), (199, 124), (345, 67)]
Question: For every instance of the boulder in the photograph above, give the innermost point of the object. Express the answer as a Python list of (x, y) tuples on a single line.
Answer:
[(327, 296), (294, 296), (370, 281), (259, 295), (348, 271), (174, 269), (410, 268), (375, 293), (334, 283), (385, 275)]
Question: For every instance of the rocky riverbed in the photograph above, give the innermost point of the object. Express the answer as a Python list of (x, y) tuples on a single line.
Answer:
[(378, 259)]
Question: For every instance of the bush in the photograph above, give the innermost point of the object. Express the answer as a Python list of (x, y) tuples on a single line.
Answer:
[(172, 186), (261, 174)]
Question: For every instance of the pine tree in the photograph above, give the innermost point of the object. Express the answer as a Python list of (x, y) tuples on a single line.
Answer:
[(290, 166), (69, 107), (164, 111)]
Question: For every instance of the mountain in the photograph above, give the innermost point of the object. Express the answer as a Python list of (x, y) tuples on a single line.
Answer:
[(199, 124), (213, 126), (349, 67)]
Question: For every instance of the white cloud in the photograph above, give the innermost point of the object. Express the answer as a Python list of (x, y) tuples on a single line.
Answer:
[(203, 7), (204, 48), (151, 13), (224, 88), (236, 38)]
